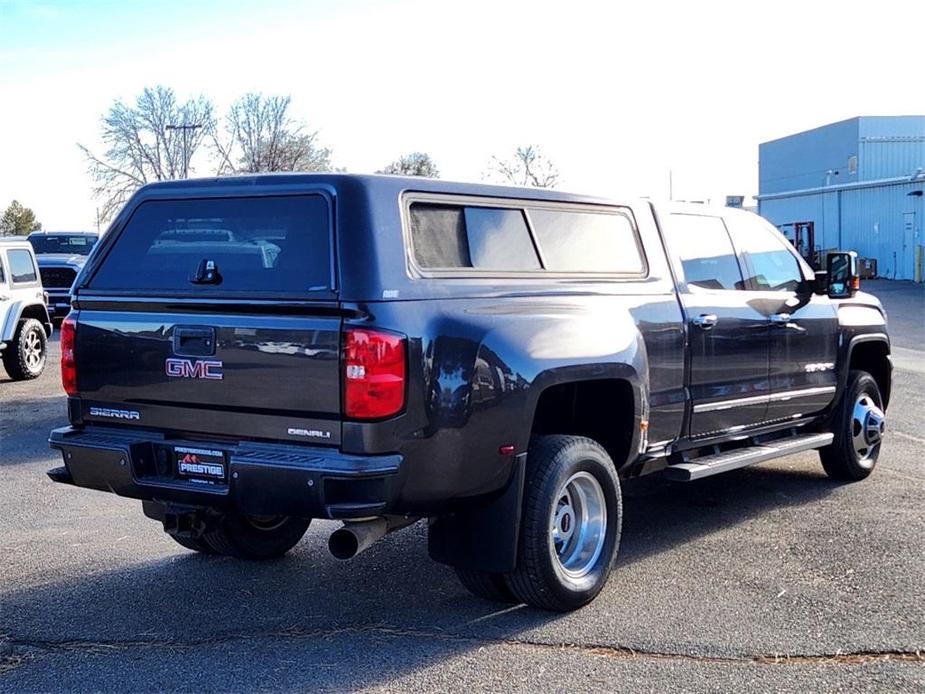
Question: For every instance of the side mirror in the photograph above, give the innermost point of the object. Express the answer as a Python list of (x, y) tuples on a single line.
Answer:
[(843, 278)]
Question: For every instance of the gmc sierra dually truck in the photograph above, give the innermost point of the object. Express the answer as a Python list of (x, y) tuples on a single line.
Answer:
[(246, 354)]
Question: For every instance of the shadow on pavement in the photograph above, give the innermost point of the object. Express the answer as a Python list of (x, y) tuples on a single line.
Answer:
[(24, 428), (393, 590)]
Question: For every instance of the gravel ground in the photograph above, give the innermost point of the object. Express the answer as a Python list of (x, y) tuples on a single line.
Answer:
[(767, 578)]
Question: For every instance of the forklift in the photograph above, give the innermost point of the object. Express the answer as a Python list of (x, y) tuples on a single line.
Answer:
[(803, 237)]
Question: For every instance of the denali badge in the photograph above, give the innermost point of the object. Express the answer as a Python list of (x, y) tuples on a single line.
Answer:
[(188, 368), (114, 414), (313, 433)]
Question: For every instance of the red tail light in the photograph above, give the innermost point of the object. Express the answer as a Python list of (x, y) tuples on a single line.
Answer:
[(68, 362), (374, 373)]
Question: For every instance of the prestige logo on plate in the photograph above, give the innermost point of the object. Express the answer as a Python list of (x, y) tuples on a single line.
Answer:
[(200, 462)]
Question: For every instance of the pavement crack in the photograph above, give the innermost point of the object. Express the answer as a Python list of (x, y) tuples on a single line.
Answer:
[(12, 661), (837, 658), (20, 650)]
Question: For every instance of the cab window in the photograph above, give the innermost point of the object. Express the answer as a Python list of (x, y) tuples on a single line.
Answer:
[(772, 265)]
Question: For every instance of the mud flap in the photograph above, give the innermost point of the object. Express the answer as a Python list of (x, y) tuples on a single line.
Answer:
[(485, 536)]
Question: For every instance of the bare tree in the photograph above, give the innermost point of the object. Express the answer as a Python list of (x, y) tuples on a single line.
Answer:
[(528, 167), (144, 144), (414, 164), (259, 135)]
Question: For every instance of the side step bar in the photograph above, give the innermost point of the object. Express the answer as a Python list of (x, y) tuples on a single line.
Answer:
[(741, 457)]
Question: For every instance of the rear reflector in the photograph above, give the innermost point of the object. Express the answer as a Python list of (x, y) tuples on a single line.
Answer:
[(374, 373), (68, 361)]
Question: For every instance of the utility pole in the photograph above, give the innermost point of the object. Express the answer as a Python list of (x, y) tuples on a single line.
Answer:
[(184, 128)]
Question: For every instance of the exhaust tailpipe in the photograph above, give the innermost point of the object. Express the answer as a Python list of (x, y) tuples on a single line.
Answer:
[(355, 536)]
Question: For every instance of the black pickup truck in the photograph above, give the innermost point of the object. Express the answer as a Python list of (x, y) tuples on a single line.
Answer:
[(246, 354)]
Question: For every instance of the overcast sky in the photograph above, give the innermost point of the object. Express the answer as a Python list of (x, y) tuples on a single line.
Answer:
[(616, 94)]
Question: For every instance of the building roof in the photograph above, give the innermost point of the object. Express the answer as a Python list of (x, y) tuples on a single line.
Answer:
[(844, 153)]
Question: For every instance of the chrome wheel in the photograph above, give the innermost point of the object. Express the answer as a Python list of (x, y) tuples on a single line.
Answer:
[(578, 525), (868, 424), (32, 353)]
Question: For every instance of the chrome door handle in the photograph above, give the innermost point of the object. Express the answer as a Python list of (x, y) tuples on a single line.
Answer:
[(779, 318), (705, 321)]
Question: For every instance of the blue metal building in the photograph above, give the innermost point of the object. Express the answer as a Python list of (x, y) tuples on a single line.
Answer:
[(857, 184)]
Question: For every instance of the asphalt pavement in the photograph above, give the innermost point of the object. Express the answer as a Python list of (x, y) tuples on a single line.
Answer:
[(770, 578)]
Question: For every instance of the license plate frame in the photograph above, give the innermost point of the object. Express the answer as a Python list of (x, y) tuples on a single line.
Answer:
[(200, 464)]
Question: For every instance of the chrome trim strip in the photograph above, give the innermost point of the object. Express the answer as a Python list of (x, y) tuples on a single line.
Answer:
[(729, 404), (758, 399)]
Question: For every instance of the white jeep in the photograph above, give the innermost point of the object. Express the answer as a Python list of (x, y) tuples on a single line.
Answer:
[(24, 323)]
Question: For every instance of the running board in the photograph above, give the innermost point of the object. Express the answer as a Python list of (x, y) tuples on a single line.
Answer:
[(741, 457)]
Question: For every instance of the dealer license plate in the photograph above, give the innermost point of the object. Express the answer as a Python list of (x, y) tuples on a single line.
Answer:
[(203, 465)]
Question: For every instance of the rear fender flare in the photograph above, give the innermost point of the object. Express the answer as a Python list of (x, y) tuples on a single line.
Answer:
[(593, 372)]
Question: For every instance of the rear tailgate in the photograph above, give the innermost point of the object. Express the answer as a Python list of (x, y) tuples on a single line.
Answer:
[(215, 316)]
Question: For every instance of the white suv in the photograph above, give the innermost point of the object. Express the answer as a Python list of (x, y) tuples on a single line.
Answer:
[(24, 323)]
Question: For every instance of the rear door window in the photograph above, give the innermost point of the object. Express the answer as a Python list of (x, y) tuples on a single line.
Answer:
[(459, 237), (705, 250), (265, 245), (578, 241), (22, 269)]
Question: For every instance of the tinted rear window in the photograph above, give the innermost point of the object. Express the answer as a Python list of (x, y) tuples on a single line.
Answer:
[(485, 238), (271, 245)]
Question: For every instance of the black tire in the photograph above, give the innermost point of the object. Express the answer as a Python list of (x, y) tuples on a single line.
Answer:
[(486, 585), (840, 459), (24, 358), (541, 579), (197, 545), (247, 537)]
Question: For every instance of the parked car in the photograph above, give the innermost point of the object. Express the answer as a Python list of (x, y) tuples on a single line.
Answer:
[(492, 359), (24, 323), (61, 255)]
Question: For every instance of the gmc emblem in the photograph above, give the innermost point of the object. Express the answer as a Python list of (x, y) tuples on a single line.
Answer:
[(200, 368)]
